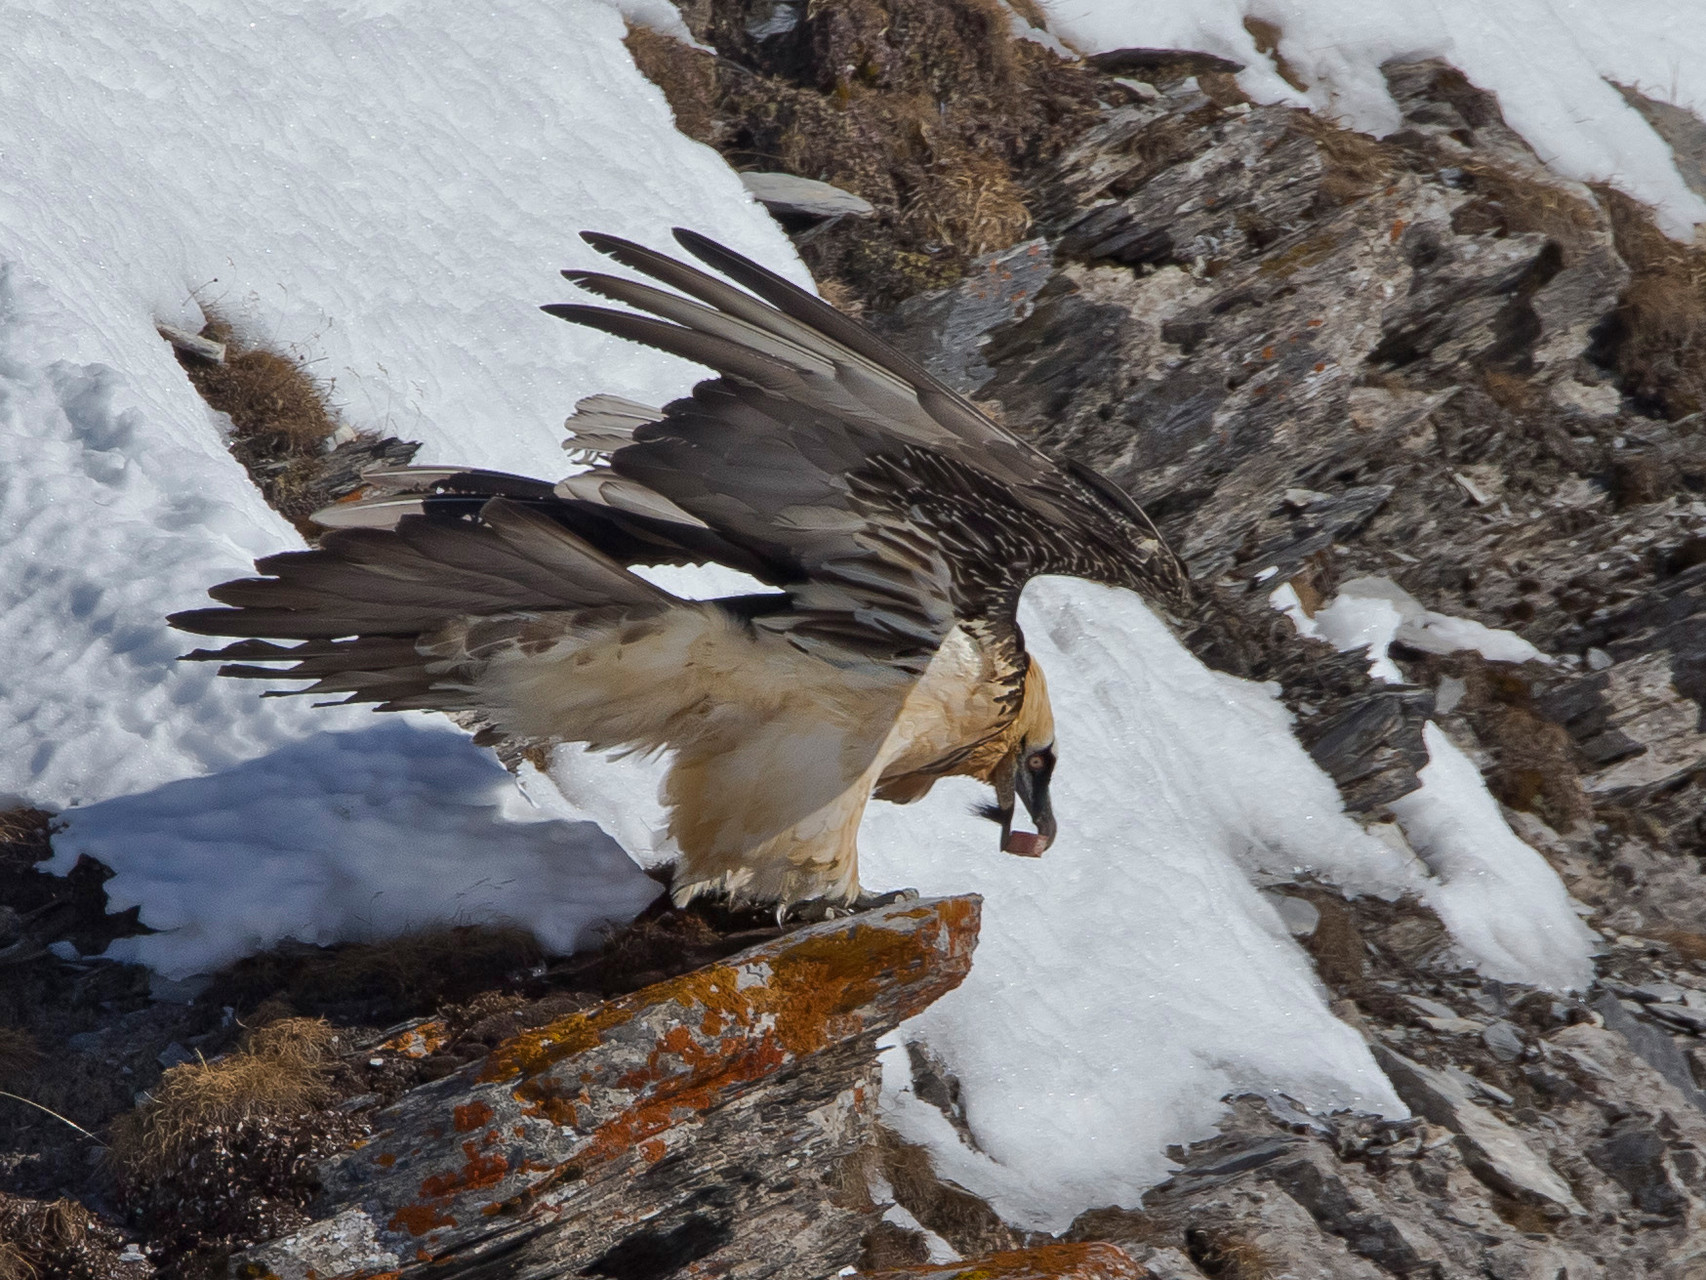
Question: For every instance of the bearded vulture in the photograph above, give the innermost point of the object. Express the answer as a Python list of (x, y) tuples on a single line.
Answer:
[(894, 522)]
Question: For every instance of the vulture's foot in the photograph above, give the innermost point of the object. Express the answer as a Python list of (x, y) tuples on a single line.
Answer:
[(814, 910), (871, 901)]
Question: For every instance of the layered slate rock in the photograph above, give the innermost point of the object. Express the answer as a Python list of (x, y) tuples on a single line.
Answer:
[(1315, 356), (707, 1121)]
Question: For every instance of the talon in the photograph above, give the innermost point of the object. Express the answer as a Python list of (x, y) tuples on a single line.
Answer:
[(871, 901)]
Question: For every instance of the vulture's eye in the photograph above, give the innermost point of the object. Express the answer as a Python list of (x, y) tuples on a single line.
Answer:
[(1037, 762)]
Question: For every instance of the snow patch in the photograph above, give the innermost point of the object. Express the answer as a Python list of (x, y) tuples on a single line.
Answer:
[(1501, 900), (1131, 977), (387, 194), (1373, 613), (1551, 65), (347, 836)]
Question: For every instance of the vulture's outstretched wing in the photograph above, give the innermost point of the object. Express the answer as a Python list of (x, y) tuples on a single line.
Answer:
[(885, 504), (884, 508)]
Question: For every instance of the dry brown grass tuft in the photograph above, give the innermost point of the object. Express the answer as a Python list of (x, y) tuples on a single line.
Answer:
[(1356, 165), (56, 1240), (929, 109), (275, 404), (840, 296), (282, 420), (1656, 338), (225, 1152), (1225, 1255), (1536, 767), (1507, 203), (380, 982), (888, 1246), (964, 1220), (25, 836), (972, 203), (1689, 944), (1267, 37), (281, 1071), (1341, 956), (687, 76)]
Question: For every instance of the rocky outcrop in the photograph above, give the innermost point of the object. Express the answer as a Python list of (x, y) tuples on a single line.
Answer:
[(712, 1121), (1595, 1172), (1313, 357)]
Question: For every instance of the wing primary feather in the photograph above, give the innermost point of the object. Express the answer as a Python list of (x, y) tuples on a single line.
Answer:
[(735, 302), (950, 409), (697, 316), (713, 352), (793, 301)]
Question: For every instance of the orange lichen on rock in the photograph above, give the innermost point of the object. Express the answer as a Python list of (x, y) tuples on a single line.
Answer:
[(479, 1171), (419, 1219), (610, 1082), (471, 1116), (546, 1098), (538, 1050), (418, 1042)]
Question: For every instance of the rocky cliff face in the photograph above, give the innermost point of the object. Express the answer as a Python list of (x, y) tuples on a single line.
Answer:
[(1316, 357)]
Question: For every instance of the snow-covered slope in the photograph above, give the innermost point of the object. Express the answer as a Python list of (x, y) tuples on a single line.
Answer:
[(1132, 976), (389, 189), (1550, 61)]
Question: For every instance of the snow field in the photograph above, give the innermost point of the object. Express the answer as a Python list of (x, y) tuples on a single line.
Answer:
[(1550, 61), (1132, 977), (388, 191)]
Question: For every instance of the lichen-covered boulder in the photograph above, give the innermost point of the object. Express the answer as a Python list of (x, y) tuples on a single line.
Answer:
[(704, 1119)]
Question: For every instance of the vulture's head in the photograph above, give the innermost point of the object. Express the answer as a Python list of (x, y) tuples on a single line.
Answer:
[(1025, 771)]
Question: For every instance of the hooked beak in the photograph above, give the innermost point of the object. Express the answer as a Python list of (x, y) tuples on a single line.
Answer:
[(1032, 786), (1026, 779)]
